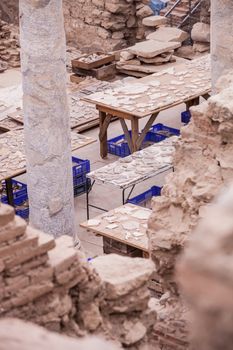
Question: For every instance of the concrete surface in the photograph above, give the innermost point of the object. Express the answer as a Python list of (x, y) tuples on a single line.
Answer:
[(108, 197)]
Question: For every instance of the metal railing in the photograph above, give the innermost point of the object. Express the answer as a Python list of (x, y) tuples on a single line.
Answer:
[(190, 13), (191, 10), (172, 8)]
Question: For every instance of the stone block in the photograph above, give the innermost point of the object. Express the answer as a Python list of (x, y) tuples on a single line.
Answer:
[(12, 230), (144, 11), (122, 275), (63, 256), (201, 32), (154, 21), (7, 214), (151, 48), (168, 34)]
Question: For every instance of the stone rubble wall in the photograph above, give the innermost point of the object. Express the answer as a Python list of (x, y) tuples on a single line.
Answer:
[(205, 273), (50, 283), (104, 24), (203, 166), (9, 46), (19, 335), (96, 24)]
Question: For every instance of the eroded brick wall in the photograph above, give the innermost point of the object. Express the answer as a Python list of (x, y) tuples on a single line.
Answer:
[(50, 283)]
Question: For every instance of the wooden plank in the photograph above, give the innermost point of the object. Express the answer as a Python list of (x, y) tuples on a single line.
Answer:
[(77, 63), (124, 214), (107, 72), (114, 112), (74, 78)]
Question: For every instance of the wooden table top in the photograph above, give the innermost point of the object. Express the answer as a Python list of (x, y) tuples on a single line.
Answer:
[(126, 224), (158, 91)]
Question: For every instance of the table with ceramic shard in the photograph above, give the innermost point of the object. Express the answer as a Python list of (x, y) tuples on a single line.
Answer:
[(82, 114), (126, 224), (148, 96), (127, 172), (13, 160)]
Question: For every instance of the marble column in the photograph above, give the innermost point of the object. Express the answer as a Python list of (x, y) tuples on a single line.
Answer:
[(46, 117), (221, 37)]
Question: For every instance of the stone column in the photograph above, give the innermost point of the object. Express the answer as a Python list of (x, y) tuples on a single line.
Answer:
[(221, 37), (46, 117)]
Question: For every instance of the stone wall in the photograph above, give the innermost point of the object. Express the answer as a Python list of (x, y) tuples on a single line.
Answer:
[(96, 24), (203, 166), (104, 25), (9, 10), (206, 276), (9, 46), (50, 283)]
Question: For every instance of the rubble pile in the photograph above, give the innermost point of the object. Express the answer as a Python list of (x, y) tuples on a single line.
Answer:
[(205, 274), (126, 297), (51, 283), (9, 46), (203, 165)]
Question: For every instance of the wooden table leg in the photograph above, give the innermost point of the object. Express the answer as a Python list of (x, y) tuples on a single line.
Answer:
[(135, 133), (146, 129), (104, 123), (194, 102), (9, 192), (127, 134), (206, 96)]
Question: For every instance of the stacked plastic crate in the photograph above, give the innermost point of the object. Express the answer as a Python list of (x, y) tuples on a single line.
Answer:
[(20, 197), (80, 169)]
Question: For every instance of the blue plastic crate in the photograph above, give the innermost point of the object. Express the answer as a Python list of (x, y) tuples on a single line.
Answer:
[(185, 117), (82, 166), (119, 146), (23, 213), (144, 197), (19, 189), (160, 132), (20, 201), (80, 170), (82, 188), (79, 179)]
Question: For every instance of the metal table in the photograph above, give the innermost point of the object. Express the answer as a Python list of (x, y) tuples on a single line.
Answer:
[(155, 159)]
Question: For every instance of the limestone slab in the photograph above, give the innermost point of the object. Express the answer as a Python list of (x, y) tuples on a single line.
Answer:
[(122, 274), (152, 48), (167, 34)]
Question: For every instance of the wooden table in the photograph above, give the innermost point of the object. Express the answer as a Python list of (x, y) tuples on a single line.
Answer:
[(13, 160), (120, 216), (148, 96)]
